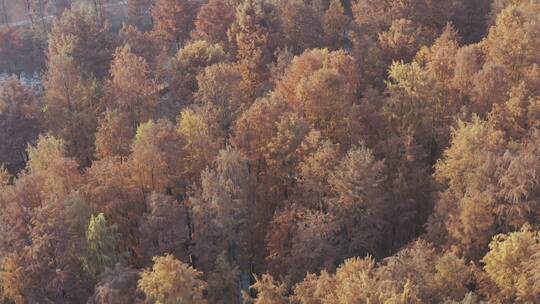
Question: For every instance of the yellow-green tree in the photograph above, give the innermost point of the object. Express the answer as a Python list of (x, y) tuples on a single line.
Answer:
[(471, 179), (101, 249), (171, 281), (156, 161), (269, 291), (510, 265), (202, 139)]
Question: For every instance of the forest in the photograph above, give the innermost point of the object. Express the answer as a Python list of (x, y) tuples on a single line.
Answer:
[(269, 151)]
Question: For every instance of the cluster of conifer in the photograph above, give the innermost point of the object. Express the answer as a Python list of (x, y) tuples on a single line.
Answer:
[(275, 151)]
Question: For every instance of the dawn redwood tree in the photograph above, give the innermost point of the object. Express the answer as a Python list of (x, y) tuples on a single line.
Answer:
[(224, 212), (11, 47), (157, 162), (173, 21), (256, 35), (202, 140), (223, 283), (319, 151), (469, 177), (113, 191), (71, 105), (219, 86), (114, 135), (301, 24), (268, 134), (142, 44), (42, 260), (187, 64), (118, 285), (358, 202), (20, 118), (138, 13), (322, 87), (164, 228), (80, 34), (335, 24), (512, 37), (131, 88), (213, 20)]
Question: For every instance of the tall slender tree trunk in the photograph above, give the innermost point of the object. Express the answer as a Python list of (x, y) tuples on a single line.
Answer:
[(5, 17), (98, 7), (42, 14), (29, 12)]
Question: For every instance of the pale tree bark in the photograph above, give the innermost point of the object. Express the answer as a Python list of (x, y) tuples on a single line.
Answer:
[(98, 7), (4, 16), (30, 10)]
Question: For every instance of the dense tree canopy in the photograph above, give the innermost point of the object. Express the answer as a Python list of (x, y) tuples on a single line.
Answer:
[(270, 151)]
